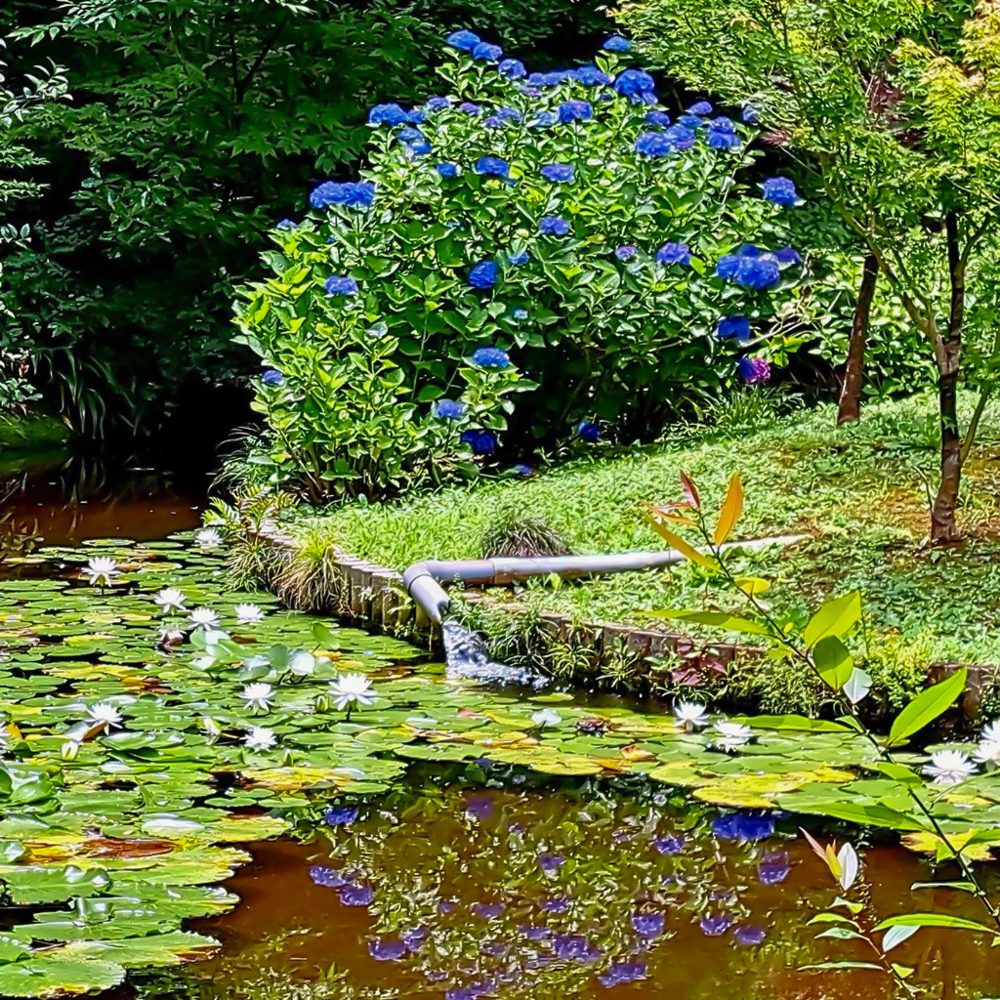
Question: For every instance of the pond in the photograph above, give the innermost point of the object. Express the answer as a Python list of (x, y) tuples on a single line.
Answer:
[(440, 838)]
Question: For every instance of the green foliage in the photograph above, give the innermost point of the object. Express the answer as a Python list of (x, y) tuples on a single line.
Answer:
[(514, 532), (564, 306), (193, 121)]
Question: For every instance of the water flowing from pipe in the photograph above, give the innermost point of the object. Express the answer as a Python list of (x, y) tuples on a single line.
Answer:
[(467, 656)]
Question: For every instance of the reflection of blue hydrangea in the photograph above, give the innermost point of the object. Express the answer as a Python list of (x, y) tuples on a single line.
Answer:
[(553, 225), (660, 118), (588, 431), (387, 114), (387, 949), (447, 169), (619, 973), (669, 845), (484, 274), (700, 108), (636, 85), (591, 76), (492, 166), (749, 935), (626, 252), (340, 815), (787, 255), (487, 52), (287, 224), (653, 144), (519, 259), (617, 44), (481, 442), (328, 878), (779, 191), (490, 357), (674, 253), (757, 272), (571, 111), (649, 924), (773, 868), (357, 895), (513, 68), (743, 827), (733, 327), (464, 40), (272, 377), (714, 924), (558, 172), (340, 285), (448, 409)]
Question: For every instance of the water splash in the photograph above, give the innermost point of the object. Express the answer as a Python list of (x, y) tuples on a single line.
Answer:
[(467, 656)]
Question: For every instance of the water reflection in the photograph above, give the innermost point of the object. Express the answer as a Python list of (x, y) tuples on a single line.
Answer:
[(516, 894)]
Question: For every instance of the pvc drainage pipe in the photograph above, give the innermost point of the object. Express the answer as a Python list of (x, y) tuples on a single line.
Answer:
[(425, 580)]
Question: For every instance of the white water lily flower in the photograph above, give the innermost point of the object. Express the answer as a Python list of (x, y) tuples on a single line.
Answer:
[(732, 735), (991, 733), (205, 662), (258, 696), (351, 687), (208, 538), (260, 738), (948, 767), (248, 614), (988, 752), (101, 570), (170, 598), (546, 717), (105, 714), (690, 715), (302, 663), (204, 618)]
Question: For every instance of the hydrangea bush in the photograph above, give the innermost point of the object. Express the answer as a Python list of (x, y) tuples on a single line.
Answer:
[(567, 221)]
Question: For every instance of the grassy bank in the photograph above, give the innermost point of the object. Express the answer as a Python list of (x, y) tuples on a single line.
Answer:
[(860, 492), (31, 432)]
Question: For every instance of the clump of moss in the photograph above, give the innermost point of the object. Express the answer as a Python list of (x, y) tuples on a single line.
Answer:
[(514, 534)]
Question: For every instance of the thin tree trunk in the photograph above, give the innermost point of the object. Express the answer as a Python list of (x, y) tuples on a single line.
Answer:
[(949, 350), (849, 409)]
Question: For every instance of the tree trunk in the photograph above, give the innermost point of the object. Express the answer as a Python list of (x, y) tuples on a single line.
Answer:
[(948, 351), (849, 409)]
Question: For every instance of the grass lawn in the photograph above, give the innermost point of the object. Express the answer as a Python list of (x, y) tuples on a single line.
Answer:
[(860, 492)]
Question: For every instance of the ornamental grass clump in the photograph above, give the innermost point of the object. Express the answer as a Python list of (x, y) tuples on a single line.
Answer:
[(563, 220)]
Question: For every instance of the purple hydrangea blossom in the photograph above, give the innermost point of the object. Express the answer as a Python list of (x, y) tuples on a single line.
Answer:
[(753, 370), (338, 284), (626, 252), (558, 172), (449, 409), (674, 253)]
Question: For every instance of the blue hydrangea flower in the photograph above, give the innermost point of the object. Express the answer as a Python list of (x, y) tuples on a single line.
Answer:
[(447, 169), (484, 274), (757, 272), (722, 124), (464, 40), (749, 115), (779, 191), (487, 52), (331, 193), (690, 121), (410, 135), (326, 194), (660, 118), (387, 114), (272, 377), (680, 136), (636, 85), (588, 431), (722, 140), (558, 172), (468, 108), (448, 409), (416, 117), (494, 121), (748, 250), (287, 224), (513, 68), (437, 103), (733, 327), (481, 442), (674, 253), (617, 44), (653, 144), (519, 259), (727, 265), (553, 225), (544, 119), (787, 255), (509, 114), (591, 76), (338, 285), (523, 469), (700, 108), (492, 166), (753, 371), (626, 252), (490, 357), (520, 315), (570, 111), (360, 193), (551, 79)]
